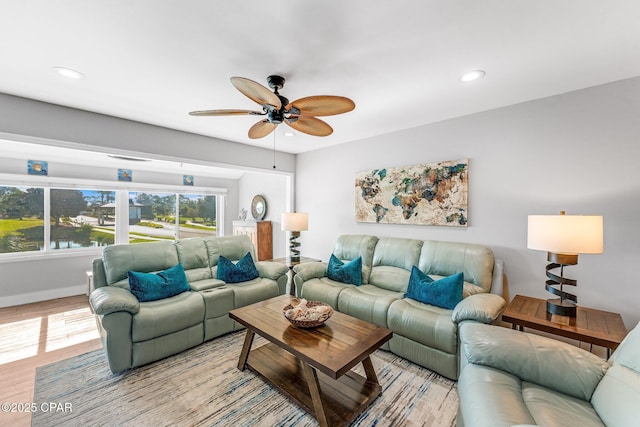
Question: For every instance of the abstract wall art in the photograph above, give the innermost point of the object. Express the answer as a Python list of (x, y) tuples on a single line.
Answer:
[(422, 194)]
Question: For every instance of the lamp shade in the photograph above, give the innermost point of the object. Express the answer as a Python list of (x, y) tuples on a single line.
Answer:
[(295, 221), (566, 234)]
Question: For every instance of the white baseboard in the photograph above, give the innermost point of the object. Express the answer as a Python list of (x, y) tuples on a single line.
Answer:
[(28, 298)]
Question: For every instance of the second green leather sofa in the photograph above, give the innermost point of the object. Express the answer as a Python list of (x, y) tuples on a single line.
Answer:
[(422, 333)]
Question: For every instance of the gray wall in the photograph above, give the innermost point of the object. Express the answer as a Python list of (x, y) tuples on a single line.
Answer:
[(26, 117), (576, 152), (35, 278)]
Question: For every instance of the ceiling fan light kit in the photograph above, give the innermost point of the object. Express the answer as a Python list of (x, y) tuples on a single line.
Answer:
[(299, 115)]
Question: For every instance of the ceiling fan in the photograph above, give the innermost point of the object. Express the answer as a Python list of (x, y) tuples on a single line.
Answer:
[(299, 114)]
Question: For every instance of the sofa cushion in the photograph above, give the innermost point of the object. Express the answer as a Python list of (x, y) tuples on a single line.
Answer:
[(424, 323), (492, 397), (349, 272), (444, 293), (155, 286), (390, 278), (165, 316), (616, 396), (367, 302), (242, 271), (149, 257), (350, 247), (252, 291), (231, 247), (566, 369), (193, 255), (402, 253), (323, 289), (447, 258), (202, 285)]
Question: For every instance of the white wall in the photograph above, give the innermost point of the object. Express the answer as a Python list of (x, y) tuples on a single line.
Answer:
[(273, 188), (576, 152)]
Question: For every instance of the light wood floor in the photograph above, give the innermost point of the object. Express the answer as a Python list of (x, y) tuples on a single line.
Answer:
[(38, 334)]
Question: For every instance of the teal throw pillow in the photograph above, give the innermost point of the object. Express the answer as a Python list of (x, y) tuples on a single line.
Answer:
[(444, 293), (155, 286), (241, 271), (350, 272)]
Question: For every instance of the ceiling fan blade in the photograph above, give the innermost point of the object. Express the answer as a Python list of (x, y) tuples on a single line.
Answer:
[(228, 112), (256, 92), (322, 105), (261, 129), (310, 125)]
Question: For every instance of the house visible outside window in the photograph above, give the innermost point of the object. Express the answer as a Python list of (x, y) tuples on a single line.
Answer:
[(53, 219), (81, 218)]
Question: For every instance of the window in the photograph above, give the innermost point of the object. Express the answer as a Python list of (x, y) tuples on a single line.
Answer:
[(58, 219), (152, 216), (81, 218), (197, 215), (21, 219)]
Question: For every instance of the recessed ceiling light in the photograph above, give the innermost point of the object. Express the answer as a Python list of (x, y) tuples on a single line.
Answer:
[(289, 134), (69, 73), (472, 76)]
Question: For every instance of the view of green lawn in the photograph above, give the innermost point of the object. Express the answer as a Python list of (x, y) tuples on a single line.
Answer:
[(86, 218)]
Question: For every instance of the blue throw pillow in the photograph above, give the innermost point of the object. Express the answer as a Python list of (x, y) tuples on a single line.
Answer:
[(242, 271), (155, 286), (350, 272), (444, 293)]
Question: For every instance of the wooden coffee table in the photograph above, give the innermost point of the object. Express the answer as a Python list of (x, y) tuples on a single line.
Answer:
[(313, 366), (592, 326)]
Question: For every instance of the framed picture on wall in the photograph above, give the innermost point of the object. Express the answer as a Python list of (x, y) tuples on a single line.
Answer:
[(124, 174), (37, 167), (421, 194)]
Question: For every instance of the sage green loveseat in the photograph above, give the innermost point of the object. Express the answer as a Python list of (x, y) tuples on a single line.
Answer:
[(516, 378), (423, 333), (136, 333)]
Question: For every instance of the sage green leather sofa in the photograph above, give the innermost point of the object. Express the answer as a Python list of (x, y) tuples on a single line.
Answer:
[(136, 333), (515, 378), (425, 334)]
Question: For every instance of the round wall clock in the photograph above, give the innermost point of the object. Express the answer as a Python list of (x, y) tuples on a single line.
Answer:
[(258, 207)]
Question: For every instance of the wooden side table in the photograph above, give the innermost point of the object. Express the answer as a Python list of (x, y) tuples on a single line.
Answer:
[(291, 264), (592, 326)]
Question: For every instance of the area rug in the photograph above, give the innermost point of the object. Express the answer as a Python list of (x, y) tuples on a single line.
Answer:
[(203, 387)]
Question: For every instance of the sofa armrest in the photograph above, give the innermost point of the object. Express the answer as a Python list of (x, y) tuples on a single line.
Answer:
[(110, 299), (544, 361), (310, 270), (271, 269), (483, 308)]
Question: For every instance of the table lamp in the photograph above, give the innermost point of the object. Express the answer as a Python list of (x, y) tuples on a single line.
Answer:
[(295, 222), (564, 237)]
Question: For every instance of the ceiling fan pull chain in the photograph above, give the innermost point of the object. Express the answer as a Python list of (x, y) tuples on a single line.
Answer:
[(274, 150)]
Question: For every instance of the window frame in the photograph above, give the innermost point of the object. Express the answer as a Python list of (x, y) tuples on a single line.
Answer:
[(122, 190)]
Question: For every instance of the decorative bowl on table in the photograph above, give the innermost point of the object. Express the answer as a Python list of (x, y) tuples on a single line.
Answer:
[(307, 314)]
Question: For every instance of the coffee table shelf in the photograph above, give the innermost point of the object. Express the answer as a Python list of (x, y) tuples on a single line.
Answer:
[(343, 399), (312, 367)]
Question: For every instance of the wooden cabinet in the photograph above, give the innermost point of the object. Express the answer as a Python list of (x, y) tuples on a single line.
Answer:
[(261, 235)]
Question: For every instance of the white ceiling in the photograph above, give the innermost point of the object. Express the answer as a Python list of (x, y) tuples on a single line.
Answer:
[(155, 60)]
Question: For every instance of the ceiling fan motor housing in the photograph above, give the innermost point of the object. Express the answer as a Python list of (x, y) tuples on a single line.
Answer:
[(277, 116)]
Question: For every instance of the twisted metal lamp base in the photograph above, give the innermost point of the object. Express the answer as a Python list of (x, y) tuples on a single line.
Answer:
[(566, 304), (293, 246)]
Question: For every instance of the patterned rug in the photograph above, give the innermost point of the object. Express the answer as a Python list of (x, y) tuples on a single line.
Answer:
[(203, 387)]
